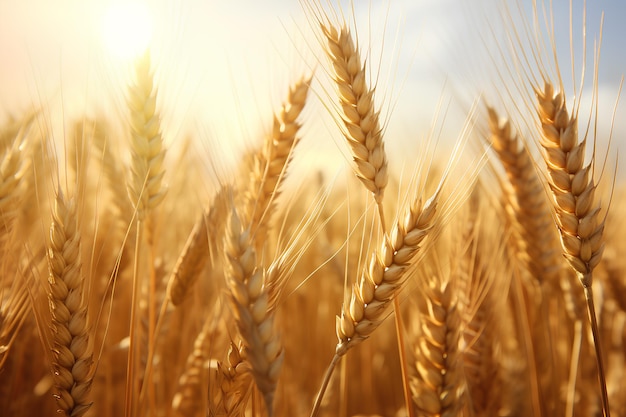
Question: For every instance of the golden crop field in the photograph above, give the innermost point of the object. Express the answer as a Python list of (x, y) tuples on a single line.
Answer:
[(326, 257)]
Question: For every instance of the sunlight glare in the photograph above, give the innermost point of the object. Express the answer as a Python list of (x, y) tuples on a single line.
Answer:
[(127, 29)]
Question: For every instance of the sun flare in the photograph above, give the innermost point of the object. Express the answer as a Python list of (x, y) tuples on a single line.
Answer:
[(127, 29)]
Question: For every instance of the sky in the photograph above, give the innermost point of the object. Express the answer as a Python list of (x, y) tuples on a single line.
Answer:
[(222, 66)]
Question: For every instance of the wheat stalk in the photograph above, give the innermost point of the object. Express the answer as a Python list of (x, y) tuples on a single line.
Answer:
[(573, 190), (381, 281), (146, 192), (364, 134)]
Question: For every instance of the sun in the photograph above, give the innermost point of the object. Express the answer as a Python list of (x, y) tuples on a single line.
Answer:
[(127, 29)]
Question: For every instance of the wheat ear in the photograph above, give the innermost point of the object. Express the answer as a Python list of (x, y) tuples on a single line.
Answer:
[(270, 164), (254, 315), (572, 185), (381, 281), (145, 188), (527, 201), (190, 398), (384, 276), (577, 213), (437, 388), (72, 351), (480, 356), (196, 252), (358, 113)]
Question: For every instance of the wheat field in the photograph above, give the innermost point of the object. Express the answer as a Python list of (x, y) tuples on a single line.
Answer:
[(485, 278)]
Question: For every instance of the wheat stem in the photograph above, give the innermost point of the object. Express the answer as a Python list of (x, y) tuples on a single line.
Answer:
[(571, 385), (134, 336), (591, 310), (327, 375), (406, 385)]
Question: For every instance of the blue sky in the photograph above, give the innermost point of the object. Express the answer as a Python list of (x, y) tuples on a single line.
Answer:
[(222, 66)]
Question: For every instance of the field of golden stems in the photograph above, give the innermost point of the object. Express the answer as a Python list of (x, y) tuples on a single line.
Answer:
[(132, 285)]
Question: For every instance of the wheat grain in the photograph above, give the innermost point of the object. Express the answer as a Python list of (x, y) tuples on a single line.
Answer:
[(232, 384)]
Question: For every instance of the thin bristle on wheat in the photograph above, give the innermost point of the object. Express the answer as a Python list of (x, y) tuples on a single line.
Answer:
[(72, 351), (361, 120), (13, 311), (252, 310), (145, 188), (479, 355), (571, 183), (119, 205), (105, 152), (383, 277)]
